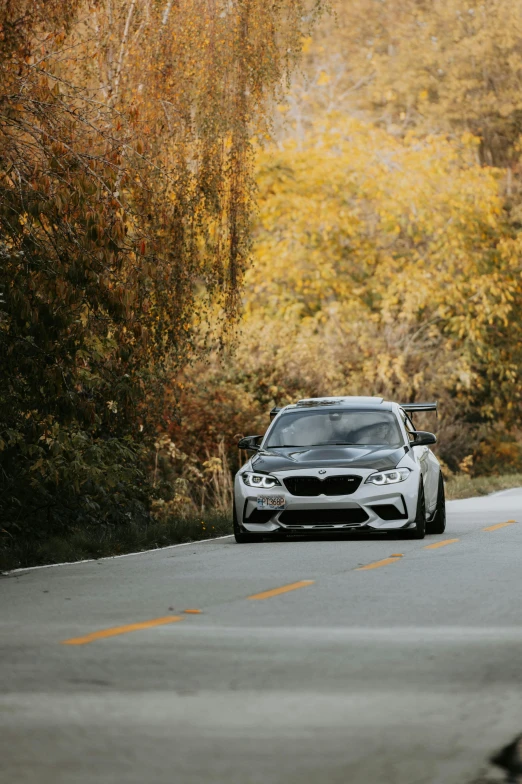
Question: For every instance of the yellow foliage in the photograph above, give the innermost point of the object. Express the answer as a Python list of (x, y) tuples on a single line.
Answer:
[(383, 266), (437, 65), (323, 78), (354, 217)]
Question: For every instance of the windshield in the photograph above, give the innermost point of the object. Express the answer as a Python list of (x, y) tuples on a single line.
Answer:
[(348, 427)]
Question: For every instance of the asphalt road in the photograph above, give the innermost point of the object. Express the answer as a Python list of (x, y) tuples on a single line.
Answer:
[(407, 672)]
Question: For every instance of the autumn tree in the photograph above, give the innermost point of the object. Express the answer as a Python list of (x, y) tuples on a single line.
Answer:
[(388, 242), (382, 266), (125, 197), (438, 66)]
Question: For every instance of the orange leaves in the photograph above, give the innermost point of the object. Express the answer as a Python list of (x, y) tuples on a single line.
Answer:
[(133, 134)]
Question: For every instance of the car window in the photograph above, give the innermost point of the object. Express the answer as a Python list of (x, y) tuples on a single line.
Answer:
[(340, 427), (408, 424)]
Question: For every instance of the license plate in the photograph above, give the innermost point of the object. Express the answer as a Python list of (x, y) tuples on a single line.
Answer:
[(270, 502)]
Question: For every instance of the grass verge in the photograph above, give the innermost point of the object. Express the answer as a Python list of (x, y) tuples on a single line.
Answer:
[(99, 542), (464, 486)]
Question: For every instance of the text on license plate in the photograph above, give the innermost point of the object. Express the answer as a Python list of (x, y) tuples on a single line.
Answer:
[(270, 502)]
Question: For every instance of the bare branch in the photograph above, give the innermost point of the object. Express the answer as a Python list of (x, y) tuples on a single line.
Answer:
[(122, 48), (166, 12)]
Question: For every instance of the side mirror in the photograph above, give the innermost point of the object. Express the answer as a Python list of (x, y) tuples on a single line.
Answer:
[(250, 442), (423, 438)]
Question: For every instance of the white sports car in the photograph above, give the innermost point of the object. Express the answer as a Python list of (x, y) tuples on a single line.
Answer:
[(340, 463)]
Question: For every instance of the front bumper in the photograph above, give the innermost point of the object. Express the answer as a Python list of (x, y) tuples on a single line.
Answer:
[(385, 508)]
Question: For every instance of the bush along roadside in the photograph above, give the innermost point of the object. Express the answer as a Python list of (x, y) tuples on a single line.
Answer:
[(464, 486), (176, 499)]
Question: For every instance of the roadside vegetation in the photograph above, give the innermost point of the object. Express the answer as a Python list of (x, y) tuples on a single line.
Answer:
[(208, 209), (127, 135), (465, 486)]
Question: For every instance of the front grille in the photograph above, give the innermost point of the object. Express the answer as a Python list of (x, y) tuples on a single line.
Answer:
[(353, 516), (312, 485)]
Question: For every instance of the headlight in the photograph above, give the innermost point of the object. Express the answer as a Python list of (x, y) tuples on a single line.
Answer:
[(389, 477), (260, 480)]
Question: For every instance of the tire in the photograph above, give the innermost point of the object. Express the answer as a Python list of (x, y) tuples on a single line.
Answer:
[(419, 532), (437, 525), (242, 537)]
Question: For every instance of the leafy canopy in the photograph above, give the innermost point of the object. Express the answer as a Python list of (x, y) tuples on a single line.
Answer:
[(382, 266), (126, 195)]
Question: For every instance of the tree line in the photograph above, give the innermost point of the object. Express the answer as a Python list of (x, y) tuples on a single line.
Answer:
[(126, 198), (208, 208), (387, 250)]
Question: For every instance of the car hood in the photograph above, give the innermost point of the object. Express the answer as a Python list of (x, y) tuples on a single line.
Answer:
[(379, 458)]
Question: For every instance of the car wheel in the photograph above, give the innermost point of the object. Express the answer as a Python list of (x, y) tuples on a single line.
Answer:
[(419, 532), (242, 537), (437, 525)]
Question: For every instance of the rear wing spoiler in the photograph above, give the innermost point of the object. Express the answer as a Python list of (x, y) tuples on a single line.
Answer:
[(412, 408)]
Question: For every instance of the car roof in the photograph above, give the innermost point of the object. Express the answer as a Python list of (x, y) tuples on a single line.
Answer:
[(355, 402)]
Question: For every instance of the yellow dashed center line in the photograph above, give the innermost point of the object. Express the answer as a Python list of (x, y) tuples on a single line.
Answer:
[(131, 627), (283, 589), (440, 544), (378, 564), (134, 627), (499, 525)]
